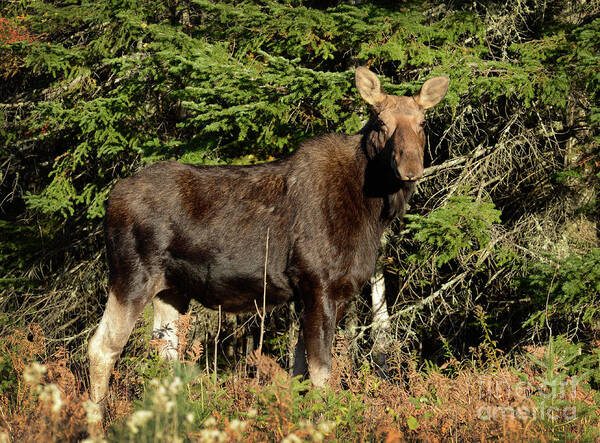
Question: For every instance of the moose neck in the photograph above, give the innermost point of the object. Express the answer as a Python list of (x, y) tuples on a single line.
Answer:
[(381, 182)]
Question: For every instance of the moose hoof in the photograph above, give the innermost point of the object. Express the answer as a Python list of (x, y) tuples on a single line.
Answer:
[(319, 376), (168, 353)]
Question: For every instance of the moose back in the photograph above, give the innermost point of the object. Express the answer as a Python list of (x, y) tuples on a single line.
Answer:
[(176, 232)]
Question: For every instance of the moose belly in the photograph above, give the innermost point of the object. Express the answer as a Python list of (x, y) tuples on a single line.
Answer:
[(240, 294), (214, 283)]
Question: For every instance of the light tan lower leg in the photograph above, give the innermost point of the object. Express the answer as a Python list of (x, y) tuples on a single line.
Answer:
[(319, 373), (107, 343), (165, 328)]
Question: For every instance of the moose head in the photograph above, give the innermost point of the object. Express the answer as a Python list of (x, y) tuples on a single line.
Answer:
[(398, 121)]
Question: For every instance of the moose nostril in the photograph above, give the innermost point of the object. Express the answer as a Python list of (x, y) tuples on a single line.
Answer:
[(411, 177)]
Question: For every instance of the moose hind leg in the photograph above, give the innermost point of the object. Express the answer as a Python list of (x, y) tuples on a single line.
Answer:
[(167, 307), (300, 366), (108, 342)]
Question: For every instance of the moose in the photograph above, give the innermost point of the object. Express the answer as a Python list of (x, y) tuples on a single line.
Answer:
[(176, 232)]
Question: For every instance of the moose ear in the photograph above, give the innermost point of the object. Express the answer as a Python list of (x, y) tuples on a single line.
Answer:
[(369, 86), (432, 92)]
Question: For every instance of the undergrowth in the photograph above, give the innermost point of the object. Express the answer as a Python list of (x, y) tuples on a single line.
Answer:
[(550, 392)]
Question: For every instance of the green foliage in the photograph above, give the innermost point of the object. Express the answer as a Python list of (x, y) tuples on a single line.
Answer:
[(461, 227), (8, 375), (489, 344), (565, 289), (244, 78), (303, 404), (564, 371), (412, 423)]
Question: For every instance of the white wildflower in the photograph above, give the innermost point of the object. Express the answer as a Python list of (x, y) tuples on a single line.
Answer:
[(161, 391), (292, 438), (137, 419), (305, 424), (189, 418), (210, 422), (212, 436), (169, 406), (175, 386), (32, 375), (252, 413), (93, 414), (326, 427), (237, 425), (160, 397), (317, 436), (51, 394)]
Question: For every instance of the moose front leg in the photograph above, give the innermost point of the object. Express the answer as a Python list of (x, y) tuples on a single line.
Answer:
[(320, 319)]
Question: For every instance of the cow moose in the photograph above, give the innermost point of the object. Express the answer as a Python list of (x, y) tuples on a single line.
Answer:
[(176, 231)]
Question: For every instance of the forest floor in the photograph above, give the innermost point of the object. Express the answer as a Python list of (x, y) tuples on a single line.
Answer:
[(547, 394)]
